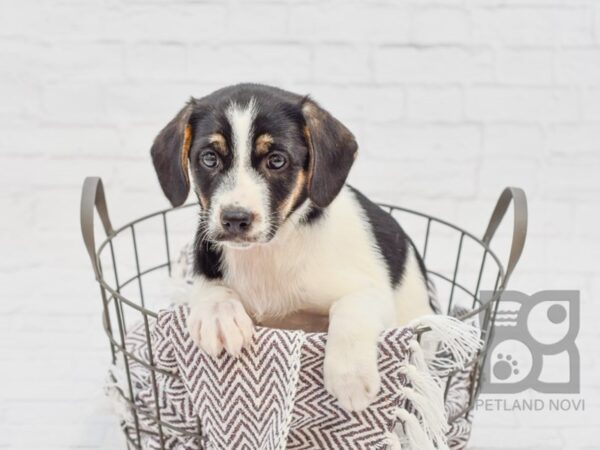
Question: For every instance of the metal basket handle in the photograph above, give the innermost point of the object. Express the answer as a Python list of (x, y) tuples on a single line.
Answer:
[(92, 195), (519, 199)]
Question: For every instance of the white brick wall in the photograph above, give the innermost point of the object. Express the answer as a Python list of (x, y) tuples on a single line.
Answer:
[(451, 100)]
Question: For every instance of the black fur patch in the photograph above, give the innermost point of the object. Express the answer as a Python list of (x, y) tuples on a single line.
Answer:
[(207, 260), (392, 242), (313, 215)]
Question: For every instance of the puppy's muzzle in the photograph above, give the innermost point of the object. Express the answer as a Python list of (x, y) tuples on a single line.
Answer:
[(236, 222)]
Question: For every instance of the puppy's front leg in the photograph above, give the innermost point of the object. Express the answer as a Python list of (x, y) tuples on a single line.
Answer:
[(351, 372), (218, 319)]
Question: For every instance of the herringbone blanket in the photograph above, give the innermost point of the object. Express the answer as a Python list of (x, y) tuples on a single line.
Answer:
[(272, 396)]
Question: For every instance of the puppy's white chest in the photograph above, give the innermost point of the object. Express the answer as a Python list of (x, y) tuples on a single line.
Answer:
[(270, 283)]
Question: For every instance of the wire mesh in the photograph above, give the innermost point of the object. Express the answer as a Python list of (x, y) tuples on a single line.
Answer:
[(460, 264)]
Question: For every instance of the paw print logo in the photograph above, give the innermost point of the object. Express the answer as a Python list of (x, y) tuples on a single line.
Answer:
[(510, 362), (533, 341), (505, 367)]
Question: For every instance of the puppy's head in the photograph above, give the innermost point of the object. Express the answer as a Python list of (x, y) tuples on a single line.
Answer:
[(254, 155)]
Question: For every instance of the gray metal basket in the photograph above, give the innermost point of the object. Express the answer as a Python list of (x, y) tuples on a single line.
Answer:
[(485, 273)]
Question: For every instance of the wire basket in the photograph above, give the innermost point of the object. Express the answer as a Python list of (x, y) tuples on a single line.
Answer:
[(130, 265)]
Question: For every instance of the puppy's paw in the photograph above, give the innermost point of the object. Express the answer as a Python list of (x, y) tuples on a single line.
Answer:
[(221, 324), (353, 379)]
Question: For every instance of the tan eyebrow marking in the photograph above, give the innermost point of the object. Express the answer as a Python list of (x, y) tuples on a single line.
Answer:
[(202, 200), (263, 142), (218, 141)]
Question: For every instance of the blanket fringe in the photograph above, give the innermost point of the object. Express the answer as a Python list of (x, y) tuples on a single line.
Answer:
[(414, 436), (424, 419), (392, 441), (114, 389), (457, 343)]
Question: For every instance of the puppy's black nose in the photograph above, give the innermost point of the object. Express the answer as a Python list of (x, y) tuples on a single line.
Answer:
[(236, 221)]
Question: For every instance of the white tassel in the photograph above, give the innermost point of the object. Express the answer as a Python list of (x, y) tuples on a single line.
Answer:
[(425, 385), (113, 389), (416, 438), (432, 413), (416, 355), (426, 398), (456, 339), (392, 441)]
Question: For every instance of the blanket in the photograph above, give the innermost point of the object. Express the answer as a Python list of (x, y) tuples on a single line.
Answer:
[(272, 396)]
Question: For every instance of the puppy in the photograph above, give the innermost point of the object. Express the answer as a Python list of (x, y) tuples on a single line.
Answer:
[(280, 234)]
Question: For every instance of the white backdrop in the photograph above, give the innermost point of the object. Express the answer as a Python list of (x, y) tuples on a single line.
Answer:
[(451, 100)]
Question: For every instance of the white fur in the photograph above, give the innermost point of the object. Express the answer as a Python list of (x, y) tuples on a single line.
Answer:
[(242, 186), (329, 267), (412, 287), (218, 320)]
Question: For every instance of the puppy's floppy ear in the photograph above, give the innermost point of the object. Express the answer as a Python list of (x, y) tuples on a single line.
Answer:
[(170, 156), (332, 150)]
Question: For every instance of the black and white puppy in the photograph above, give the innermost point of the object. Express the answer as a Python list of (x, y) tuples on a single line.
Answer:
[(281, 233)]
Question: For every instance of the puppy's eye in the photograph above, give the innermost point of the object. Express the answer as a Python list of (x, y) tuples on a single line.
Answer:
[(276, 161), (209, 159)]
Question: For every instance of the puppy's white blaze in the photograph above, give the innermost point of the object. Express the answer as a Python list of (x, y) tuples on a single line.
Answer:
[(242, 121), (243, 187), (412, 298)]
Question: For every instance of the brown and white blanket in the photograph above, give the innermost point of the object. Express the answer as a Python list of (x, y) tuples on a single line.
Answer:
[(272, 396)]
